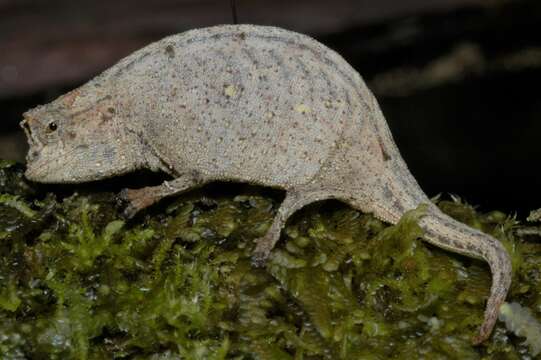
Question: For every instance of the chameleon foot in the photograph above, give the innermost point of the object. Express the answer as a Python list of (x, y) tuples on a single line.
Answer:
[(263, 248), (295, 199), (135, 200)]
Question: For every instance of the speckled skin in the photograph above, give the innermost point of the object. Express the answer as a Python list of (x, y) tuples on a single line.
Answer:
[(251, 104)]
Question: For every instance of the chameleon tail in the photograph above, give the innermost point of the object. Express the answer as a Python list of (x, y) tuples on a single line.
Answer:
[(445, 232)]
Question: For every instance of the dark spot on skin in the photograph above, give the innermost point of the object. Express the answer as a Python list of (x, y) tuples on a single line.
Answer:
[(109, 153), (386, 156), (111, 110), (387, 193), (81, 147), (72, 135), (457, 244), (105, 118), (242, 36), (170, 51), (471, 248), (397, 206)]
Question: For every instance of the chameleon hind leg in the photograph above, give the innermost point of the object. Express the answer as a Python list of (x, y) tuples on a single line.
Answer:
[(295, 200)]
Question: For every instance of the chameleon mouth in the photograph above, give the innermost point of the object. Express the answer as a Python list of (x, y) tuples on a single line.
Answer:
[(38, 169), (34, 168)]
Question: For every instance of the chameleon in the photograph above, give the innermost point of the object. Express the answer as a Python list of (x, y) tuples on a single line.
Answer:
[(245, 103)]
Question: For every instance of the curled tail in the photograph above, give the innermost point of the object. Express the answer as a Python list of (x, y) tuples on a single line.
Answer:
[(401, 192), (447, 233)]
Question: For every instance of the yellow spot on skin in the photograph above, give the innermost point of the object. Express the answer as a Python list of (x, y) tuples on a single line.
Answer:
[(303, 109), (230, 90)]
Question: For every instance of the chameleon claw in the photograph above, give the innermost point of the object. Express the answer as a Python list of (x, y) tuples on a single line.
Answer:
[(259, 259), (133, 201), (263, 248)]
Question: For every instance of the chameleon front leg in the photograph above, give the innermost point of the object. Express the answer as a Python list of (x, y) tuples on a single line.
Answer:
[(138, 199), (295, 199)]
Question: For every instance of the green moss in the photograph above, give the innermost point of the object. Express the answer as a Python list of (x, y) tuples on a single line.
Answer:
[(79, 282)]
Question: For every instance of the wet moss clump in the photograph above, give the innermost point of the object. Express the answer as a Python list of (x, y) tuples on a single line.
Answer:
[(79, 282)]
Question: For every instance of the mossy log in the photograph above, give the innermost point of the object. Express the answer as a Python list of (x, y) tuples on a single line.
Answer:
[(78, 282)]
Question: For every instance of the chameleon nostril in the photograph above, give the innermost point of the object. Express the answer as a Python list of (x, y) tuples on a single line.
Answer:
[(26, 127), (33, 155)]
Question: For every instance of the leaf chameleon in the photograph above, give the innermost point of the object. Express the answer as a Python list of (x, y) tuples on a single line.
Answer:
[(251, 104)]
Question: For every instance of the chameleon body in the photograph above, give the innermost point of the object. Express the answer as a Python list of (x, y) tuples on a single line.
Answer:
[(251, 104)]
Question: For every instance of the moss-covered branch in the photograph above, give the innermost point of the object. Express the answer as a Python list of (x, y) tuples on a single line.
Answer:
[(78, 282)]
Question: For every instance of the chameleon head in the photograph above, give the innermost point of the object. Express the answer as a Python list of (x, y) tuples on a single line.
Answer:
[(76, 138)]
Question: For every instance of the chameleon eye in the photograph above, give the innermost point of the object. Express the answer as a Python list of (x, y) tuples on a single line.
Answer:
[(53, 126)]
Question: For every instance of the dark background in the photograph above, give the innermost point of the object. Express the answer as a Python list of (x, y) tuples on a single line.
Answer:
[(458, 80)]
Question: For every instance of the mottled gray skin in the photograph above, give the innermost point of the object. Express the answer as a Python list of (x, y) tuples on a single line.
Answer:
[(250, 104)]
